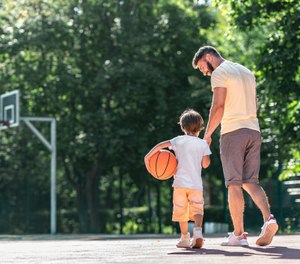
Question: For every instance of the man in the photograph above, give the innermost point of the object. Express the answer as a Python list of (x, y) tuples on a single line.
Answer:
[(234, 105)]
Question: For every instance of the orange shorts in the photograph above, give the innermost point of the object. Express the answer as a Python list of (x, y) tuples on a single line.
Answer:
[(186, 204)]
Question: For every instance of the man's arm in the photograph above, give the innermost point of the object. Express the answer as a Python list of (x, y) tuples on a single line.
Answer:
[(256, 104), (216, 112)]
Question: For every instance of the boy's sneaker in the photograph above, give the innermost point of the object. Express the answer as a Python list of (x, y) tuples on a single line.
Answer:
[(234, 240), (184, 241), (268, 231), (197, 240)]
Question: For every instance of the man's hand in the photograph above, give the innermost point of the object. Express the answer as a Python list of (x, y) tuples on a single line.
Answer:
[(207, 138)]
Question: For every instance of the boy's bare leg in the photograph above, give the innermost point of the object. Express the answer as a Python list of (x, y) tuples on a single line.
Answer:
[(184, 241), (184, 227), (197, 241), (236, 207), (198, 220)]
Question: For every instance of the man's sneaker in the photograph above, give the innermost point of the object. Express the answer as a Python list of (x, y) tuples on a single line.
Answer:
[(197, 240), (268, 231), (234, 240), (184, 241)]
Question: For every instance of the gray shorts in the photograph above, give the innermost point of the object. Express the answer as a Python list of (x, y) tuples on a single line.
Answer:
[(240, 156)]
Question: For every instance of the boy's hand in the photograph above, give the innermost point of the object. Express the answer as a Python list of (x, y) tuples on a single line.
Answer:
[(147, 163)]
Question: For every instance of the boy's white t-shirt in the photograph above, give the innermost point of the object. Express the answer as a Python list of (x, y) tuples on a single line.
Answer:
[(240, 103), (189, 152)]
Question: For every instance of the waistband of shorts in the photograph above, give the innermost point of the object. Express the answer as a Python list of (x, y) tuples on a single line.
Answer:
[(241, 131)]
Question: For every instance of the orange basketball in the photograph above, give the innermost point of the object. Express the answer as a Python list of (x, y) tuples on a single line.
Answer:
[(163, 165)]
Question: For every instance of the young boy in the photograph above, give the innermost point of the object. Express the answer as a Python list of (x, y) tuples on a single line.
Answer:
[(192, 154)]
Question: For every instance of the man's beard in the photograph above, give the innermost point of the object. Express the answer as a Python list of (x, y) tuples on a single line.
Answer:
[(210, 68)]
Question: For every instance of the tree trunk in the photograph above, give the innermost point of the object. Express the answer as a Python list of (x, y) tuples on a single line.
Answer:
[(158, 208), (82, 210), (92, 194)]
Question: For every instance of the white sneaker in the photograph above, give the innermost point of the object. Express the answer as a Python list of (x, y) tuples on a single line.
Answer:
[(268, 231), (184, 241), (197, 240), (234, 240)]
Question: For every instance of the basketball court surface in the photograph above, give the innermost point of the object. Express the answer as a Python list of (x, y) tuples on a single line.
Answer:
[(141, 249)]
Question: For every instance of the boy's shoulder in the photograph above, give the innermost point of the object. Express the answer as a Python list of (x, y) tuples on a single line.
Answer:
[(187, 138)]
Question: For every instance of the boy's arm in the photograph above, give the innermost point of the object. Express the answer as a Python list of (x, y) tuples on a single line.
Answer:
[(154, 150), (205, 162)]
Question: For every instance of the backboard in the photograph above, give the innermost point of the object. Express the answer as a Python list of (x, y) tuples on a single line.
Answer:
[(9, 108)]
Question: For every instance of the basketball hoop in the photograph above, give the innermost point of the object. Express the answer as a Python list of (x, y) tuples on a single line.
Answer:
[(9, 109)]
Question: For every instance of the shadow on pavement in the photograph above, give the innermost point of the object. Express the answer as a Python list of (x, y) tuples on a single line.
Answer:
[(205, 251), (274, 252), (280, 252)]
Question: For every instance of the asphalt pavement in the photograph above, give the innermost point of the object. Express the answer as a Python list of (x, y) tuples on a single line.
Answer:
[(160, 249)]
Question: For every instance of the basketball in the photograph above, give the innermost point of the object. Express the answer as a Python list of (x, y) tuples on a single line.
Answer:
[(163, 165)]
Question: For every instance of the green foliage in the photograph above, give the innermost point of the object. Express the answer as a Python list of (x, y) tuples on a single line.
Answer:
[(277, 70), (269, 30), (292, 168), (116, 76)]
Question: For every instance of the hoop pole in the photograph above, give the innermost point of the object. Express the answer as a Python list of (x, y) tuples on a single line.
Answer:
[(52, 148), (53, 177)]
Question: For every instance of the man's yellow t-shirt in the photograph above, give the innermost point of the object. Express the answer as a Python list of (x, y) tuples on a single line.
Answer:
[(240, 102)]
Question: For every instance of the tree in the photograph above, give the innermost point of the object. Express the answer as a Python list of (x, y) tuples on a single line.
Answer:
[(115, 75), (277, 72)]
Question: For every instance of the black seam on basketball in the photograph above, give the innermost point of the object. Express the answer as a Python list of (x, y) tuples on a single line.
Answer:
[(166, 165), (156, 172)]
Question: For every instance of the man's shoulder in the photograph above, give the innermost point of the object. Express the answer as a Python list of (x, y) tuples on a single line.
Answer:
[(222, 68), (233, 65), (229, 67)]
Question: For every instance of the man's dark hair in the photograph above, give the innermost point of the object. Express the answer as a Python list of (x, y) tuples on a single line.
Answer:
[(203, 51)]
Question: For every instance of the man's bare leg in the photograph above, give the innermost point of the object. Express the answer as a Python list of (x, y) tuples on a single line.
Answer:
[(259, 197), (270, 226), (236, 207)]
